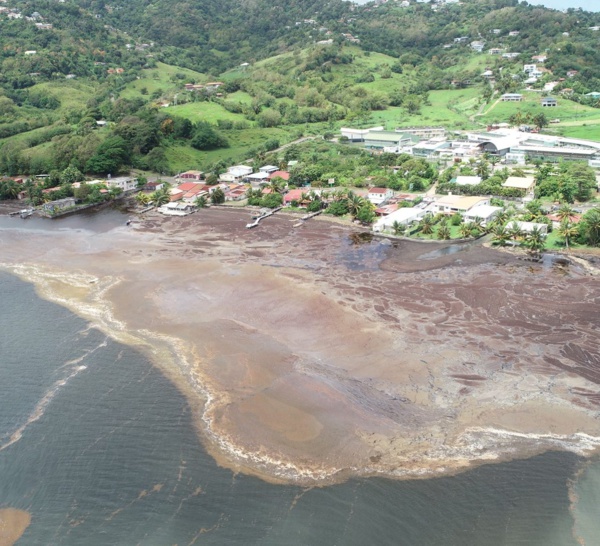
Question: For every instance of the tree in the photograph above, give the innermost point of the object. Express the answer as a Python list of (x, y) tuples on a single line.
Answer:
[(355, 203), (206, 138), (160, 197), (565, 212), (366, 215), (398, 228), (337, 208), (536, 241), (443, 231), (109, 156), (500, 235), (142, 198), (591, 226), (201, 201), (568, 231), (217, 197), (426, 224), (514, 231), (465, 230), (540, 120)]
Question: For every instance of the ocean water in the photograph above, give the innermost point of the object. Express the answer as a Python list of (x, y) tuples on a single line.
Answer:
[(100, 449)]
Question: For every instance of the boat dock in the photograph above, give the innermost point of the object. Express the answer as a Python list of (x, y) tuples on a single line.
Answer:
[(307, 217), (262, 217)]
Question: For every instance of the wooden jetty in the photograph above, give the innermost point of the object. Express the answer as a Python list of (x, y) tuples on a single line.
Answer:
[(307, 217), (262, 217)]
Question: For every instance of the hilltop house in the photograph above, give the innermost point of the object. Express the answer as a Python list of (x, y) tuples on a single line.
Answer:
[(549, 102)]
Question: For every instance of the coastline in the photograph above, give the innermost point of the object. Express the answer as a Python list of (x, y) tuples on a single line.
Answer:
[(302, 369)]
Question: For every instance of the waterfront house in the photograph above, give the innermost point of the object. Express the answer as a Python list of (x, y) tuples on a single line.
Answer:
[(482, 213), (125, 183), (451, 204), (293, 195), (528, 227), (177, 209), (404, 216)]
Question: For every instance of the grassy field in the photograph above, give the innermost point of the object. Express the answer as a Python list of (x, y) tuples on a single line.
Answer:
[(450, 108), (204, 111), (566, 111), (164, 77), (182, 158), (585, 131), (72, 94)]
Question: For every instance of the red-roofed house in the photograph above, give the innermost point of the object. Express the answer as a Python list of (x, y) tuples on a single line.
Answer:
[(293, 195), (191, 175), (379, 195), (187, 186), (556, 221), (281, 174)]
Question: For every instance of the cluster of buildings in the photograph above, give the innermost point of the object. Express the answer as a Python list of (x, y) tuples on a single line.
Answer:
[(511, 145), (234, 183)]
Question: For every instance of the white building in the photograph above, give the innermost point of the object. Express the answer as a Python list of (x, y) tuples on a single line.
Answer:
[(125, 183), (468, 180), (404, 216), (482, 213), (379, 195)]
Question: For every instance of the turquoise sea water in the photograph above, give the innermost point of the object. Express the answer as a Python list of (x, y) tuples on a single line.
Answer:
[(100, 448)]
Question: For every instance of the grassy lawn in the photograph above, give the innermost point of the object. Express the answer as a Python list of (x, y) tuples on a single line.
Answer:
[(162, 77), (566, 111), (204, 111)]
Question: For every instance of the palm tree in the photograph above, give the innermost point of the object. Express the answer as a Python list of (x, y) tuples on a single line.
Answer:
[(592, 226), (142, 198), (426, 224), (201, 201), (500, 234), (465, 230), (514, 231), (501, 217), (355, 203), (568, 230), (160, 197), (398, 228), (443, 231), (536, 240), (565, 212)]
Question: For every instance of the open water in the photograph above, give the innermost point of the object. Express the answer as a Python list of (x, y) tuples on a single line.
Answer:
[(100, 449)]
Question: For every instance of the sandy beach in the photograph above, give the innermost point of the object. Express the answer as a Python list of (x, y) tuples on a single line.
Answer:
[(312, 354)]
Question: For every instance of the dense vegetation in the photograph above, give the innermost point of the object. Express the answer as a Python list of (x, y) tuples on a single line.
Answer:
[(104, 63)]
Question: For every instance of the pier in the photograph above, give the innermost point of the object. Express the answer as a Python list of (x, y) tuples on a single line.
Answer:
[(262, 217)]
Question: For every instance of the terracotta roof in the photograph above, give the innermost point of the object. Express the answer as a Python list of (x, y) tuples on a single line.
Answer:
[(281, 174)]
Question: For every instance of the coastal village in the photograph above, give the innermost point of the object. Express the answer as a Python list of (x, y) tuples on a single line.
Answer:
[(455, 204)]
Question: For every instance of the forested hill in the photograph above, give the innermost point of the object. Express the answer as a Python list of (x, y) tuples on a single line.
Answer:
[(213, 35)]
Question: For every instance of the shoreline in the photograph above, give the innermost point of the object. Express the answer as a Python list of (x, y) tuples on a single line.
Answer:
[(270, 401)]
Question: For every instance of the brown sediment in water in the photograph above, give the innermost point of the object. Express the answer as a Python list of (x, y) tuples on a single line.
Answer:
[(13, 523), (310, 356)]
